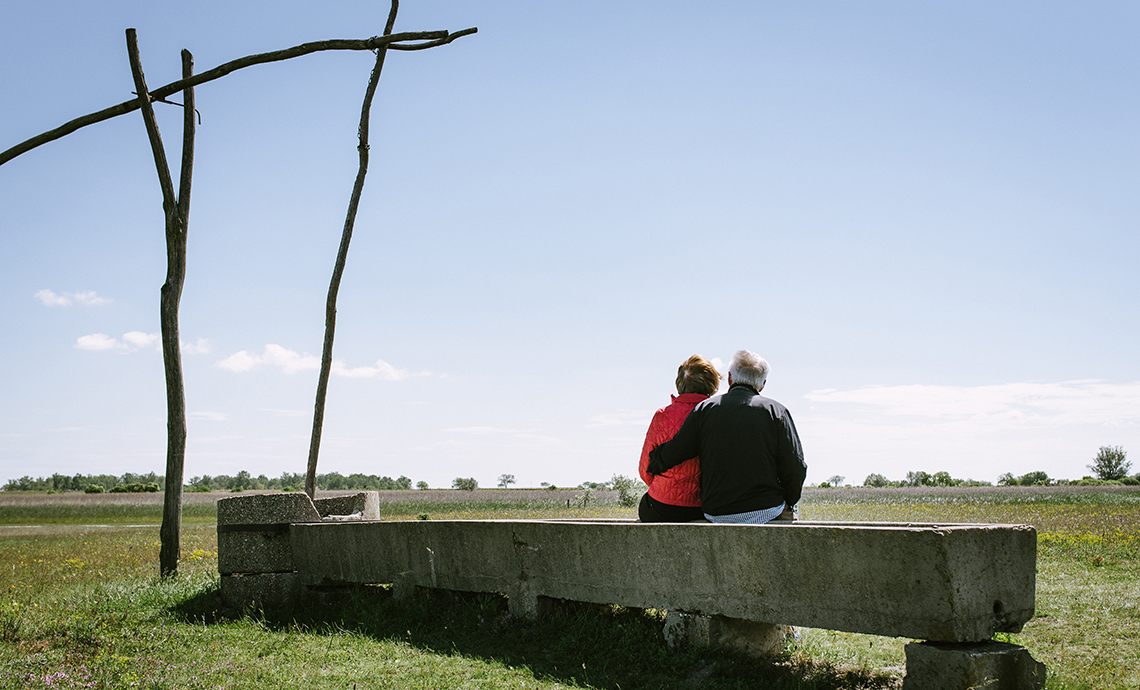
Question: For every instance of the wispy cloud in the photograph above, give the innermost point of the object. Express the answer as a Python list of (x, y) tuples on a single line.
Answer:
[(290, 362), (50, 298), (201, 347), (480, 430), (502, 432), (638, 418), (208, 416), (970, 431), (381, 370), (132, 341), (287, 413), (1008, 404)]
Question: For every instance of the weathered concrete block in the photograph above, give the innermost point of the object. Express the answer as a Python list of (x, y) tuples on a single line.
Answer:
[(264, 589), (966, 666), (751, 637), (253, 531), (364, 505), (923, 581)]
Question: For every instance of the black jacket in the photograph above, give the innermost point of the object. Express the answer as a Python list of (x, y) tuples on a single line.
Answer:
[(751, 457)]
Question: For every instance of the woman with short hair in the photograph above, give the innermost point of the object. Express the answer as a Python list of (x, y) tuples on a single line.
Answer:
[(675, 495)]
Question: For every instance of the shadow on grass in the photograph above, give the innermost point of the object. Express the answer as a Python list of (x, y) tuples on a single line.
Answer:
[(579, 645)]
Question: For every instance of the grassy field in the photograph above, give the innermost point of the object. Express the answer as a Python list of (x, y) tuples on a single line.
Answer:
[(82, 605)]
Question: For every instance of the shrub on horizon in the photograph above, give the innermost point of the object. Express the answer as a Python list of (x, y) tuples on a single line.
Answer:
[(876, 480), (464, 483)]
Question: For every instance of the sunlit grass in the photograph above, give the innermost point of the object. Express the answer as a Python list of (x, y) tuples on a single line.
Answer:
[(82, 606)]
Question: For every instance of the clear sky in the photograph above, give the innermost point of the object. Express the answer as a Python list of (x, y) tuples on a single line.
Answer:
[(924, 215)]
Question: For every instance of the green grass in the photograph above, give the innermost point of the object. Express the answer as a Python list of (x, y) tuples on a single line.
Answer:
[(82, 606)]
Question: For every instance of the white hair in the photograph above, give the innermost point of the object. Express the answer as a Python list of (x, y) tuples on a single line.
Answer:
[(749, 367)]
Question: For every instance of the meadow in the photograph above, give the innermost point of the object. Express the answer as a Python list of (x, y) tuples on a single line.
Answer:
[(82, 605)]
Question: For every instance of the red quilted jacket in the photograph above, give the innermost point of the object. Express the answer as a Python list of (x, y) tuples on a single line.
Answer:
[(680, 485)]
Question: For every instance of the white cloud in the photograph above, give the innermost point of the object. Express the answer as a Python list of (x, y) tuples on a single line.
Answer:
[(239, 362), (201, 347), (89, 298), (50, 299), (140, 340), (1001, 405), (99, 341), (291, 362), (134, 340), (65, 299), (208, 416)]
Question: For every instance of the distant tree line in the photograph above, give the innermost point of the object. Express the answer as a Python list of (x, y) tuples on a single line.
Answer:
[(84, 482), (289, 481), (917, 478), (1111, 467), (242, 481)]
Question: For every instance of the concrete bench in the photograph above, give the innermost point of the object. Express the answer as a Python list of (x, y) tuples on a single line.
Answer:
[(952, 586)]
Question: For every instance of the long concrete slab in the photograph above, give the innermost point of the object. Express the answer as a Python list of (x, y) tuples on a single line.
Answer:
[(945, 582)]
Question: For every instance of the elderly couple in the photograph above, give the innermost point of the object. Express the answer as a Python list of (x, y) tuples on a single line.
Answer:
[(733, 458)]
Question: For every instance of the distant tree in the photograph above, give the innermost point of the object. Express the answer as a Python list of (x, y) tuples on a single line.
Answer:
[(1111, 462), (876, 480), (464, 484), (1007, 479), (836, 480), (422, 485), (506, 480), (404, 482), (1034, 479), (919, 478), (944, 479)]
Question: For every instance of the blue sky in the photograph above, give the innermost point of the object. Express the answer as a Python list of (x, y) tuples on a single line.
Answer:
[(924, 216)]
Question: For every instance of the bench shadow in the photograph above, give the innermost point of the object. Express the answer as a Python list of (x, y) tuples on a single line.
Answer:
[(610, 647)]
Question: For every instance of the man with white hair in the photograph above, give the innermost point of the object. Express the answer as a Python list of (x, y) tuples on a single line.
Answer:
[(752, 465)]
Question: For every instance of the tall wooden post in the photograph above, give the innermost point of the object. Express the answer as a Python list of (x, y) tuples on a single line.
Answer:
[(177, 214)]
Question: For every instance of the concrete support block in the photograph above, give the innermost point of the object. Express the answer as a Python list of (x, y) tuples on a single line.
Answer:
[(970, 665), (523, 602), (268, 590), (404, 586), (751, 637), (364, 505), (253, 531)]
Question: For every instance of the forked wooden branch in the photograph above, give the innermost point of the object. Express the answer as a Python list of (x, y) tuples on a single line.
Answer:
[(393, 41)]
